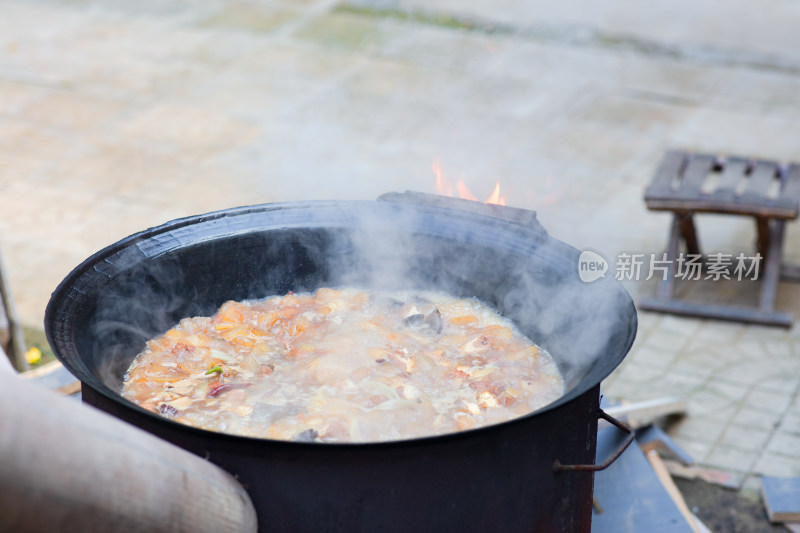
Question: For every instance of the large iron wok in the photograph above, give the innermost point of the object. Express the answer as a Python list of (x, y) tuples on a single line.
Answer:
[(529, 474)]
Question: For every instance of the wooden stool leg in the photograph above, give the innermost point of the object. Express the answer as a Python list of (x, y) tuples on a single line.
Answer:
[(689, 233), (664, 301), (763, 231), (667, 285), (772, 265)]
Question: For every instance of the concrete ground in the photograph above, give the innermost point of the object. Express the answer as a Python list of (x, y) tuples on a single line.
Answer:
[(116, 116)]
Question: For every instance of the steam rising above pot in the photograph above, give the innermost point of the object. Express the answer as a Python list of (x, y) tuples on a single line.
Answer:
[(102, 314)]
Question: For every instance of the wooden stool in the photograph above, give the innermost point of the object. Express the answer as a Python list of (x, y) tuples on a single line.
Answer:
[(765, 190)]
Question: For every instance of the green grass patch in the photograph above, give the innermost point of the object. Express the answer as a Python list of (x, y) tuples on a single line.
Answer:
[(441, 20)]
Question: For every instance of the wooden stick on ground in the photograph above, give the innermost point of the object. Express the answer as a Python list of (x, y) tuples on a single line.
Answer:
[(672, 489), (69, 388), (643, 413), (45, 369)]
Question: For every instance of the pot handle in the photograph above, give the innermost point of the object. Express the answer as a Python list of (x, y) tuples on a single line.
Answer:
[(558, 467)]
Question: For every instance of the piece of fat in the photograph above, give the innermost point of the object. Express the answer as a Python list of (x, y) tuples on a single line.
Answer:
[(527, 352), (474, 346), (184, 386), (487, 399), (410, 392), (244, 410), (471, 407), (382, 389), (181, 404), (222, 356), (479, 372), (394, 404)]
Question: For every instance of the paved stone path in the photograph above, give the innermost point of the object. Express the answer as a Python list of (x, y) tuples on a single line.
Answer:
[(116, 116)]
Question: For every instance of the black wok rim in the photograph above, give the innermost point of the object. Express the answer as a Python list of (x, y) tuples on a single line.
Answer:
[(69, 354)]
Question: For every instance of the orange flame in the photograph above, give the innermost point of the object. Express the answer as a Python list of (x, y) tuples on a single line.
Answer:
[(495, 198), (445, 188), (464, 193)]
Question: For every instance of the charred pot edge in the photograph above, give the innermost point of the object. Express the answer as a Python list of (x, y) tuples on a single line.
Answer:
[(515, 215), (558, 467)]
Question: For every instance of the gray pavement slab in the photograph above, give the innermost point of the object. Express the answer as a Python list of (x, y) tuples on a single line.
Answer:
[(117, 116)]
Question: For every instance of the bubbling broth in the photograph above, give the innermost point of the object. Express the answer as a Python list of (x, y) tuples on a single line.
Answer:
[(344, 366)]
